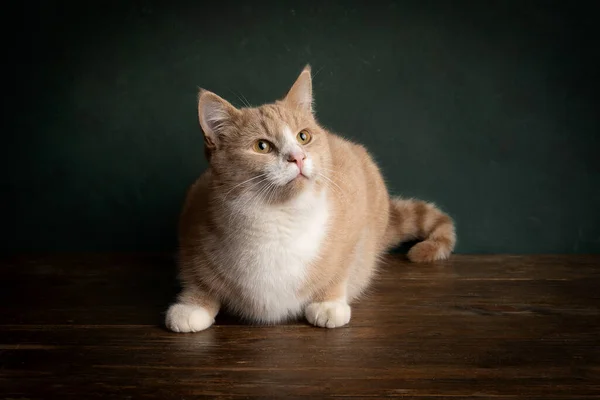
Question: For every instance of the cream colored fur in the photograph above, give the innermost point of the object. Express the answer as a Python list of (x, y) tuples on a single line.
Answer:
[(294, 231)]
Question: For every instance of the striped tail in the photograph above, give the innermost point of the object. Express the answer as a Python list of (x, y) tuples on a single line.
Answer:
[(414, 219)]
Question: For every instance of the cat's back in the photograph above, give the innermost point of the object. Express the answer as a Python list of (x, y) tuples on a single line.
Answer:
[(195, 205), (359, 190), (353, 165)]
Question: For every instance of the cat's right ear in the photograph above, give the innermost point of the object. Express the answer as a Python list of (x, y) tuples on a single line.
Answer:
[(215, 114), (300, 95)]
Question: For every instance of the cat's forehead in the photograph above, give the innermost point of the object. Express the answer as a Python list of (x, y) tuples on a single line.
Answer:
[(275, 120)]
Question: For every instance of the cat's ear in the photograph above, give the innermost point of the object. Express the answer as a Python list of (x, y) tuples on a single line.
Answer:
[(300, 95), (215, 114)]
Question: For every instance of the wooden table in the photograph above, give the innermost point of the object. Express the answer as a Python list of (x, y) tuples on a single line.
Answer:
[(502, 327)]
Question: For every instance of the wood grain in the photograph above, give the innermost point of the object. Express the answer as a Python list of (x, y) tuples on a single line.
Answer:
[(83, 326)]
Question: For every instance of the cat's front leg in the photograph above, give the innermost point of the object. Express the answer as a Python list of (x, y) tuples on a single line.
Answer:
[(330, 309), (194, 311)]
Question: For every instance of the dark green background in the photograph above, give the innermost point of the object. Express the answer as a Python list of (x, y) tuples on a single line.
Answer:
[(489, 109)]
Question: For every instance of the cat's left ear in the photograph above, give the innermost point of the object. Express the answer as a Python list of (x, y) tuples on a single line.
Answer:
[(300, 95)]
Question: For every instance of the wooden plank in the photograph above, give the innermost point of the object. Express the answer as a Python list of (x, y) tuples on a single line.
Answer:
[(86, 326)]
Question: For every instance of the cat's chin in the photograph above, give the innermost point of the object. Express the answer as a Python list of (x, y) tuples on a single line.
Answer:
[(299, 181), (300, 178), (294, 187)]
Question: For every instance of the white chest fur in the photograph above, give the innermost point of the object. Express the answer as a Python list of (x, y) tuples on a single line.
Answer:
[(269, 252)]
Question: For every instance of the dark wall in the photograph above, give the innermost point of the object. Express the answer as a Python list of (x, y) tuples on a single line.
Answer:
[(490, 109)]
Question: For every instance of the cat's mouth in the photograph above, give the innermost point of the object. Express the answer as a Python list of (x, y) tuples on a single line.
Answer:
[(300, 177)]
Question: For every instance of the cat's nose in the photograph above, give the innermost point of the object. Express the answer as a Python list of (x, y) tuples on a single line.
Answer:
[(297, 158)]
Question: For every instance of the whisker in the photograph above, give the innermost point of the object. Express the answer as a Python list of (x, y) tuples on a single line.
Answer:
[(240, 184), (338, 175), (317, 73), (272, 193), (239, 210), (334, 190), (339, 189), (326, 177), (245, 104), (246, 100), (256, 195), (235, 94)]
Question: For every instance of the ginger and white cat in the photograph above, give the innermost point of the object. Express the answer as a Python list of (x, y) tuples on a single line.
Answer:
[(289, 219)]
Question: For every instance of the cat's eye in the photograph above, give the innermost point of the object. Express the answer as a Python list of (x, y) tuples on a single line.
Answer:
[(303, 137), (262, 146)]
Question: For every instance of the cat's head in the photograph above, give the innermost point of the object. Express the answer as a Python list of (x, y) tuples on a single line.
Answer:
[(273, 152)]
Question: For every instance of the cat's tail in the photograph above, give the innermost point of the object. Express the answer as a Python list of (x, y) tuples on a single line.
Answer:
[(414, 219)]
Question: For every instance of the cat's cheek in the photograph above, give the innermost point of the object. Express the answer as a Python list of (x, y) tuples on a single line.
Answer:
[(280, 173), (308, 169)]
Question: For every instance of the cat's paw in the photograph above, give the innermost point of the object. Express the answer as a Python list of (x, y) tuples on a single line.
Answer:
[(185, 318), (428, 251), (328, 314)]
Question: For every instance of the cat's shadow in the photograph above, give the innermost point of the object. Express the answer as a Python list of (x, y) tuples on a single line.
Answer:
[(403, 248)]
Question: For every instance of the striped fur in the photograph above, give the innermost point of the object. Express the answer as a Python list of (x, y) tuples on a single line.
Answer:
[(418, 220)]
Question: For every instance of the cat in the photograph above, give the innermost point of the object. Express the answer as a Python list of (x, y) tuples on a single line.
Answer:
[(288, 219)]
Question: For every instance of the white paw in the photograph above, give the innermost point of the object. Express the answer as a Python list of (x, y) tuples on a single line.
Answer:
[(328, 314), (185, 318)]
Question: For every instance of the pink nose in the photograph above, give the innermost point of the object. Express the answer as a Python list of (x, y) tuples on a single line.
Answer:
[(297, 158)]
